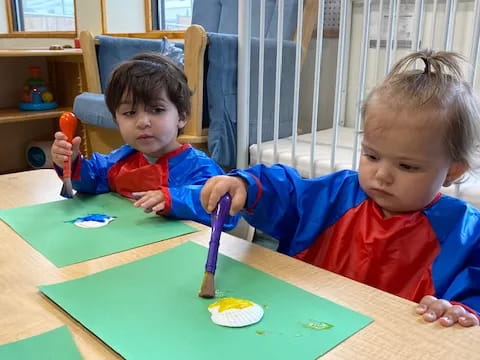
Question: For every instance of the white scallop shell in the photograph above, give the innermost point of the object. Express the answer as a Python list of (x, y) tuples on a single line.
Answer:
[(89, 224), (237, 317)]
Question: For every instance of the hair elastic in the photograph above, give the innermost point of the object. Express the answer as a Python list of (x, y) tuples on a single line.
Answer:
[(427, 65)]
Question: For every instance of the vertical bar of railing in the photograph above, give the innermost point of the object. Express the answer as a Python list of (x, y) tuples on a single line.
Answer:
[(418, 25), (278, 80), (316, 84), (395, 27), (434, 21), (379, 38), (296, 86), (342, 39), (388, 46), (261, 62), (450, 15), (474, 54), (475, 44), (243, 81), (346, 65), (361, 82)]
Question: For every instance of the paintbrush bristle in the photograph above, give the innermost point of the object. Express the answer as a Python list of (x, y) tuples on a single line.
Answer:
[(67, 190), (208, 286)]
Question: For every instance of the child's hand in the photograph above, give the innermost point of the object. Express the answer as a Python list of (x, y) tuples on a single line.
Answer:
[(447, 314), (217, 186), (152, 200), (61, 148)]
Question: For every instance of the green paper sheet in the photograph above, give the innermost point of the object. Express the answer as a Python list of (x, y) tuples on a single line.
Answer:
[(46, 227), (149, 309), (54, 344)]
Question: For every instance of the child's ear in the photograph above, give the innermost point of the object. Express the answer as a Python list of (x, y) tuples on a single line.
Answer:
[(182, 120), (457, 169)]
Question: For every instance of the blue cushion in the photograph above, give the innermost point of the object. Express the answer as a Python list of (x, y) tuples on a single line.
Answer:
[(113, 50), (91, 108)]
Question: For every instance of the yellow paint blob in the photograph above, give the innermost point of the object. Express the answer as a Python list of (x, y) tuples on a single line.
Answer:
[(231, 303)]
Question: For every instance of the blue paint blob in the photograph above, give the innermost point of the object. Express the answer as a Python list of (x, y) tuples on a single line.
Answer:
[(101, 218)]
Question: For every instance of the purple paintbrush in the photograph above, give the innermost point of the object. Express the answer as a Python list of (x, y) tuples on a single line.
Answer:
[(218, 220)]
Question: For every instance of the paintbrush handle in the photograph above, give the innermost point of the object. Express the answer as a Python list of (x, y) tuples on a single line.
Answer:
[(219, 217), (67, 168)]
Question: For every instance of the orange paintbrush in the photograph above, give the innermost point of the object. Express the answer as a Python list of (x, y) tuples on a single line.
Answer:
[(68, 125)]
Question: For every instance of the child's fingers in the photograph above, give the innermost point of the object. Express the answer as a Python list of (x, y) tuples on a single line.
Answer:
[(159, 207), (468, 320), (451, 315), (218, 186), (76, 144), (148, 200), (436, 310), (239, 198), (60, 136), (211, 192), (61, 151), (138, 195), (422, 307)]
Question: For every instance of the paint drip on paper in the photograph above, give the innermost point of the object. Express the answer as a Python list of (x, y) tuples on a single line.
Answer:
[(92, 221)]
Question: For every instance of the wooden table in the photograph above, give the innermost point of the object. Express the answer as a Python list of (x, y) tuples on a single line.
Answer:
[(396, 333)]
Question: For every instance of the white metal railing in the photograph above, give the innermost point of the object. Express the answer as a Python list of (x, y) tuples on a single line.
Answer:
[(430, 19)]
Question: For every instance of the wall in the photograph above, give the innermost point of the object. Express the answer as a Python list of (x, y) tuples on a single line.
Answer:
[(462, 43), (125, 16)]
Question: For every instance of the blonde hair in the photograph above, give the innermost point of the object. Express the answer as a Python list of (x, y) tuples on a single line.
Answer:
[(439, 87)]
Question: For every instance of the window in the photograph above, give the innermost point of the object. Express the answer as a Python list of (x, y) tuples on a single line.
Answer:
[(172, 14), (43, 15)]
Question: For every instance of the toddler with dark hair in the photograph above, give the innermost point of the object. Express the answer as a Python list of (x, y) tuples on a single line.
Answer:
[(149, 99)]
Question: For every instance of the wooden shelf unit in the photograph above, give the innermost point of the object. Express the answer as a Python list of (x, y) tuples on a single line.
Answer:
[(14, 115), (39, 52), (65, 76)]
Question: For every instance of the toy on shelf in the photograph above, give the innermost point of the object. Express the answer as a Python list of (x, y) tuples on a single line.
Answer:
[(36, 95)]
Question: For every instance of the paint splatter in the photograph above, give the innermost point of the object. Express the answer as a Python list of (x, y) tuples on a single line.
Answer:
[(92, 220), (317, 325)]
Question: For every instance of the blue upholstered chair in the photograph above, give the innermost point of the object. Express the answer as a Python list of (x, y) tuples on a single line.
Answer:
[(219, 19)]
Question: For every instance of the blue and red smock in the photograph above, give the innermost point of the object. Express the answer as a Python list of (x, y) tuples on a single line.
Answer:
[(330, 222), (179, 174)]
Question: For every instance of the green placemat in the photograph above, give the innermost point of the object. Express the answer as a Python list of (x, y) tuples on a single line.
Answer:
[(149, 309), (48, 227), (54, 344)]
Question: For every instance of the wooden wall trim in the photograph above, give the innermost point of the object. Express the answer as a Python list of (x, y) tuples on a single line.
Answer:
[(8, 7), (103, 10), (148, 15)]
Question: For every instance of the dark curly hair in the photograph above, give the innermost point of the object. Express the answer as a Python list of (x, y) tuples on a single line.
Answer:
[(142, 79)]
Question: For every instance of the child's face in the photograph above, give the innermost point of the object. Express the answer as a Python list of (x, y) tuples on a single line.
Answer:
[(151, 129), (404, 161)]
